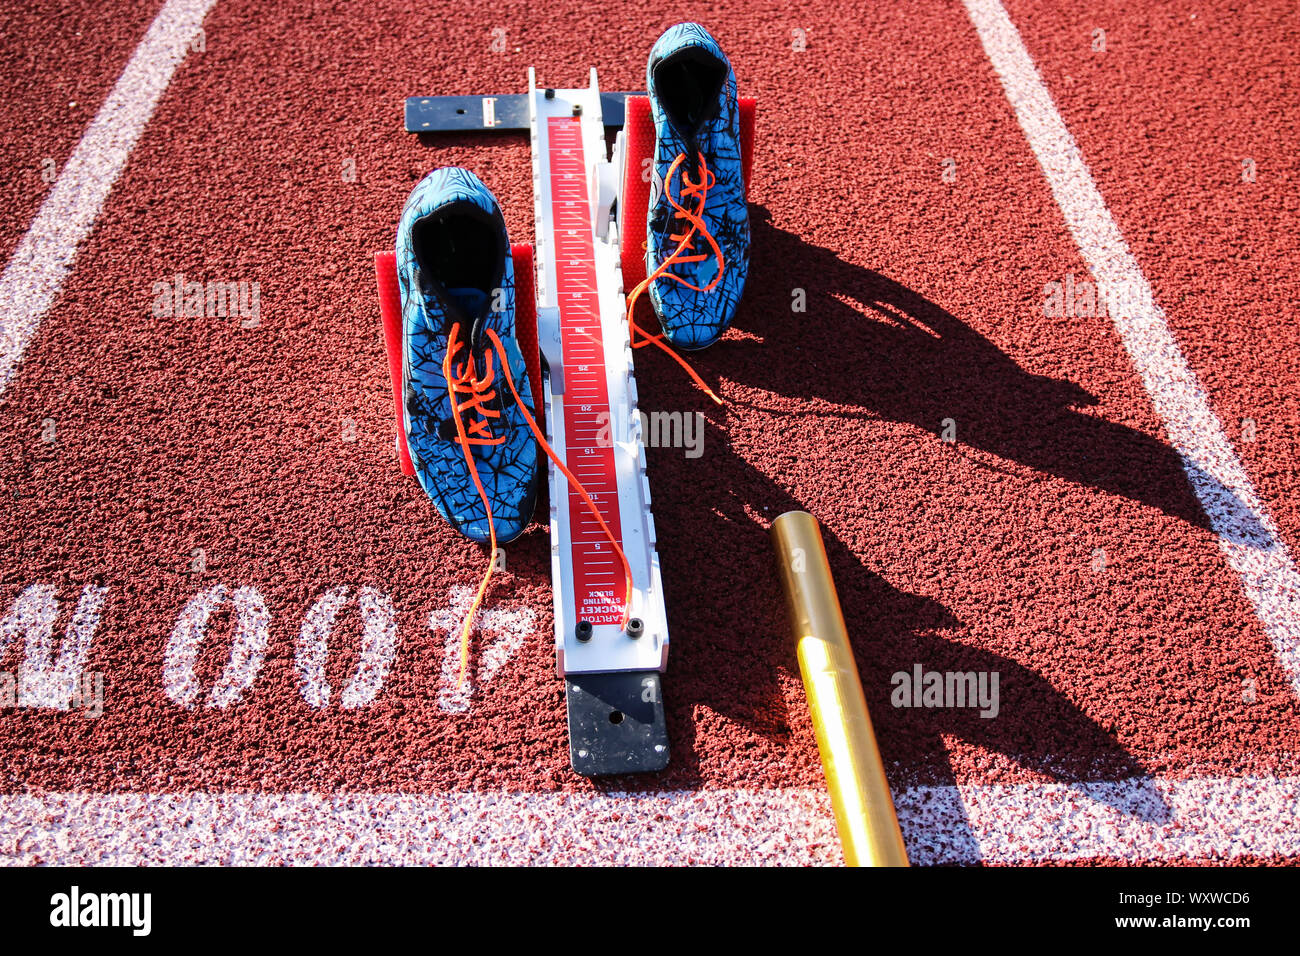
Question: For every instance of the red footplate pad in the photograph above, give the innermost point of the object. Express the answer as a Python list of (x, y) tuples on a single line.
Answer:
[(526, 323), (390, 312)]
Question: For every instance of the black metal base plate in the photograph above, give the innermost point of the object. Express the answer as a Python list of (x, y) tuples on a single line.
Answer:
[(616, 723)]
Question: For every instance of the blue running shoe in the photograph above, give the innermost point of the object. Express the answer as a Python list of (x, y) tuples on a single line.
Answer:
[(472, 445), (697, 226)]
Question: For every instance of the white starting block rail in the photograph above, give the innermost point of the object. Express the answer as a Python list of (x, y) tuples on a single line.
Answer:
[(612, 674)]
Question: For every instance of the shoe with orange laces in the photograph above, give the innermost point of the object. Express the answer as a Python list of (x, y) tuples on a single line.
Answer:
[(468, 412), (467, 438), (697, 226)]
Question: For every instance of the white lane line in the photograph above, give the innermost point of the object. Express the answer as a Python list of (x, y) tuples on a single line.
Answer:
[(1208, 818), (706, 827), (46, 254), (1247, 534), (1197, 818)]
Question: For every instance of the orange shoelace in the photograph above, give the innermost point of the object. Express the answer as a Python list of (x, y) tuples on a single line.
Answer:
[(466, 381), (685, 242)]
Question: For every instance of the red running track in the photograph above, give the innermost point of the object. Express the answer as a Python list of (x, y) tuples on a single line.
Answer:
[(1055, 540)]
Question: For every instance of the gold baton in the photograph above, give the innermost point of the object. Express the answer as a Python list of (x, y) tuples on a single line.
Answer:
[(855, 774)]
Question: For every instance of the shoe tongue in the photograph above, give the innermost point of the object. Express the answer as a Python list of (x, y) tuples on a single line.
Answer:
[(473, 302), (469, 307)]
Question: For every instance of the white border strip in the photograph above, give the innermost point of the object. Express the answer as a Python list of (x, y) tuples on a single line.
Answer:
[(45, 255), (1247, 535), (1135, 820), (1210, 818), (711, 827)]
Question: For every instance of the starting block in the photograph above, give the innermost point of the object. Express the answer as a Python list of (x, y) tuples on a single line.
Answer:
[(572, 328)]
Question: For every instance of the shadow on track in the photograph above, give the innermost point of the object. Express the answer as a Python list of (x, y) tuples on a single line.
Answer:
[(731, 645), (917, 364), (868, 341)]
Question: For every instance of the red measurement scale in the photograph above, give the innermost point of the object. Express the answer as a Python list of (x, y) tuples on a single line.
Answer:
[(599, 587)]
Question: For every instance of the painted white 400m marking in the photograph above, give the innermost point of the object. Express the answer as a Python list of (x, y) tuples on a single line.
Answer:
[(378, 647), (49, 677), (46, 679), (507, 630)]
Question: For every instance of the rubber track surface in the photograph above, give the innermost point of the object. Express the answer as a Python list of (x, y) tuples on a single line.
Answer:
[(996, 490)]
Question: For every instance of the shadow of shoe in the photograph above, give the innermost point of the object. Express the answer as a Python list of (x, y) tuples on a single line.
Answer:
[(882, 350)]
